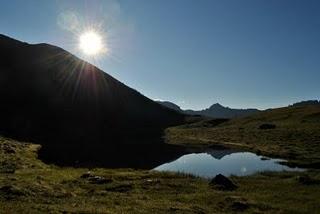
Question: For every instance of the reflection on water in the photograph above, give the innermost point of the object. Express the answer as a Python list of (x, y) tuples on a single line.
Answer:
[(162, 157), (121, 156), (224, 162)]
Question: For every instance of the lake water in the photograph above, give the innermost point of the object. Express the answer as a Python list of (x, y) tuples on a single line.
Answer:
[(197, 161), (225, 162)]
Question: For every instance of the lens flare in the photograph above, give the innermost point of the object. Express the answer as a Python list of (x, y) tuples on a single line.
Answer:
[(91, 43)]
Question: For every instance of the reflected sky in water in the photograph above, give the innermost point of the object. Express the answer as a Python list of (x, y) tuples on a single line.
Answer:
[(209, 164)]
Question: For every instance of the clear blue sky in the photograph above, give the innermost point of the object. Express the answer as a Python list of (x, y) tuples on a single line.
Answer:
[(248, 53)]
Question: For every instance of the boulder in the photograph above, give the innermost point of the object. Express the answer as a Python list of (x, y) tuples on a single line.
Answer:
[(221, 182)]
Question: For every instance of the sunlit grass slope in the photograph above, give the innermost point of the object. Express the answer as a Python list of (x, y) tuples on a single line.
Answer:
[(294, 134)]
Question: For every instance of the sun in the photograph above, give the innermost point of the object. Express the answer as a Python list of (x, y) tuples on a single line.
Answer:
[(91, 43)]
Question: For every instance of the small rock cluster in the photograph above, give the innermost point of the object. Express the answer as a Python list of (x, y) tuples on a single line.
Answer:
[(95, 179)]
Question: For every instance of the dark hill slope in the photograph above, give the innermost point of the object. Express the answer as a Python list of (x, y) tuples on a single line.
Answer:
[(50, 96)]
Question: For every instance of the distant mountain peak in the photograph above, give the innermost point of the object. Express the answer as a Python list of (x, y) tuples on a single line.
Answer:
[(216, 105), (215, 111)]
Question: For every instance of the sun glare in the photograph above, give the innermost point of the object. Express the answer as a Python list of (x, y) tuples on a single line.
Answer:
[(91, 43)]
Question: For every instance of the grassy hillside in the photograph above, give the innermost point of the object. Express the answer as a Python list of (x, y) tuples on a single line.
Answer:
[(292, 133), (29, 186)]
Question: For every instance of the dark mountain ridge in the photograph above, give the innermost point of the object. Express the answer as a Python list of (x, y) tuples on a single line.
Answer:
[(215, 111), (219, 111), (52, 97), (306, 103)]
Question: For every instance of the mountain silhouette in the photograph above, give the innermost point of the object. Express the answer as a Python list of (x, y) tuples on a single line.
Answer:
[(221, 153), (52, 97), (214, 111)]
